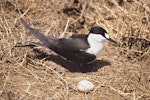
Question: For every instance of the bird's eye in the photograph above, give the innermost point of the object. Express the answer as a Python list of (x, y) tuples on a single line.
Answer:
[(106, 35)]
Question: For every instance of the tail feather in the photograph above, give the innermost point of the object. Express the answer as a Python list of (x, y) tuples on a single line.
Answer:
[(35, 44), (47, 42), (37, 34)]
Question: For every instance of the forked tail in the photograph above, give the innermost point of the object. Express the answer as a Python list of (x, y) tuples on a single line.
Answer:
[(37, 34)]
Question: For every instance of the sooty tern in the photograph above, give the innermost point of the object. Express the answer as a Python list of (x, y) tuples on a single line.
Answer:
[(77, 48)]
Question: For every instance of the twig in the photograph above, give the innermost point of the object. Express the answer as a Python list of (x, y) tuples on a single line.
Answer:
[(23, 14), (65, 29), (67, 89)]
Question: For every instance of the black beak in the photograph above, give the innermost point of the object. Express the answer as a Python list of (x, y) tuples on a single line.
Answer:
[(111, 40)]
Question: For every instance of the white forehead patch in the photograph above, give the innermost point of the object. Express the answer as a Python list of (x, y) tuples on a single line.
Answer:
[(106, 35), (97, 37)]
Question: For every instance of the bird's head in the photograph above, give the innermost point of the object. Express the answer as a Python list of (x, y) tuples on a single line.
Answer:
[(100, 34)]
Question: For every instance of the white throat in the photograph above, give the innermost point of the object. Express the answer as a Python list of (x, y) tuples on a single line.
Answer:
[(96, 42)]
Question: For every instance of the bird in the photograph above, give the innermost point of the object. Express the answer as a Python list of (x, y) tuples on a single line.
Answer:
[(81, 48)]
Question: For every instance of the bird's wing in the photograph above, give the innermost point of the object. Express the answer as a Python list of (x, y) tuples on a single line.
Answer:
[(73, 44)]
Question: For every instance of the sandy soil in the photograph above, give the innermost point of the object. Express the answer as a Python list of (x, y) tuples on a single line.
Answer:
[(122, 72)]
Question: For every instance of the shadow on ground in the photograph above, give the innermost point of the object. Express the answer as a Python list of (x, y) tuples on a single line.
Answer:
[(72, 66)]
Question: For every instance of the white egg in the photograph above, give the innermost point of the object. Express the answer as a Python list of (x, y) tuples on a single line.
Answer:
[(85, 86)]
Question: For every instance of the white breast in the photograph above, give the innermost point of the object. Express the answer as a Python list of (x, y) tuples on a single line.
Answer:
[(96, 49), (96, 42)]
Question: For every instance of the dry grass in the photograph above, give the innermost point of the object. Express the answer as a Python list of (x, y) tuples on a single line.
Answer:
[(28, 73)]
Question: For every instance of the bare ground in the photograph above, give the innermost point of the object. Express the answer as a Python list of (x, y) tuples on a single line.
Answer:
[(122, 72)]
